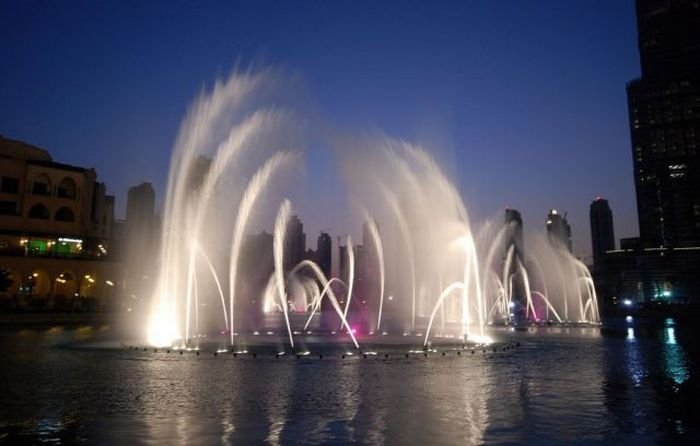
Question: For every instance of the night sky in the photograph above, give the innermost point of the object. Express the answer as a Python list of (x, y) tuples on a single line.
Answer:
[(523, 101)]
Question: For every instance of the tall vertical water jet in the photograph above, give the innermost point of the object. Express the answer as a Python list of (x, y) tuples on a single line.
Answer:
[(379, 250), (215, 277), (442, 307), (490, 257), (351, 274), (506, 278), (196, 304), (471, 279), (280, 233), (190, 287), (255, 187), (196, 133), (543, 280), (445, 293), (406, 237), (402, 184), (238, 139), (528, 295)]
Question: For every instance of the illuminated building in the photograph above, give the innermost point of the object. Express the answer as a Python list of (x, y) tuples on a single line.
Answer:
[(663, 264), (56, 224), (664, 115)]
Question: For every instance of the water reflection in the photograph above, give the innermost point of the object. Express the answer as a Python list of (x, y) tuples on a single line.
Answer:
[(277, 404), (374, 403), (635, 384), (475, 409), (227, 430), (675, 360), (634, 361), (650, 389)]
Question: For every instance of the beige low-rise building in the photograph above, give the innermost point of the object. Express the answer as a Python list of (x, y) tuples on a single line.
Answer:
[(56, 224)]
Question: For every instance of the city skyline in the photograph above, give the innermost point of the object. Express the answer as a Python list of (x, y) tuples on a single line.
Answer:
[(141, 221), (339, 222), (116, 107)]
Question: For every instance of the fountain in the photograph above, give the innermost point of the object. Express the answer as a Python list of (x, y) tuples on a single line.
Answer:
[(237, 140)]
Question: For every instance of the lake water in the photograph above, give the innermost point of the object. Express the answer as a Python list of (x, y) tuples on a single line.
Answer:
[(625, 383)]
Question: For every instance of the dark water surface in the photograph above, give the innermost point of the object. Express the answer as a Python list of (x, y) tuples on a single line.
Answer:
[(626, 383)]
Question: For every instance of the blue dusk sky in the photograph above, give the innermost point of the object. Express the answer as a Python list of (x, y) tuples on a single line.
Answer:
[(522, 101)]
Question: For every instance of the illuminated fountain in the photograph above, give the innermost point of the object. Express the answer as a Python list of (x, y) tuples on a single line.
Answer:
[(238, 140)]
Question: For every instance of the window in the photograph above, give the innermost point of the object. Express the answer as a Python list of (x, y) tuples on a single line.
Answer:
[(41, 185), (8, 207), (67, 188), (37, 247), (68, 247), (39, 211), (9, 185), (64, 214)]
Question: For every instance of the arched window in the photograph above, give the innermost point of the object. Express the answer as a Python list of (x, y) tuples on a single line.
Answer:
[(41, 185), (67, 188), (39, 211), (64, 214)]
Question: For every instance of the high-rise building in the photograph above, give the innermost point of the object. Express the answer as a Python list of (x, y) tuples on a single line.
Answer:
[(140, 205), (514, 258), (198, 171), (513, 232), (256, 266), (141, 239), (141, 216), (295, 242), (602, 231), (558, 230), (324, 252), (663, 264), (664, 114), (342, 261)]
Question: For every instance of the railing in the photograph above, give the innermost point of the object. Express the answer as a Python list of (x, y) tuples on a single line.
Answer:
[(21, 252)]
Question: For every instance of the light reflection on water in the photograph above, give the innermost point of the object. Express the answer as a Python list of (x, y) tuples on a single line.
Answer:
[(563, 385), (634, 363), (675, 361)]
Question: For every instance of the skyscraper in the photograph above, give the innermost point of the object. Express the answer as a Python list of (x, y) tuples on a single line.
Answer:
[(141, 239), (558, 230), (295, 246), (256, 266), (514, 232), (140, 206), (514, 259), (324, 250), (602, 231), (663, 266), (664, 114)]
